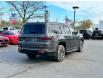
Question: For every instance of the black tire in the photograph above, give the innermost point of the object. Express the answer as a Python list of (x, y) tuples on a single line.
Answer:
[(93, 38), (102, 37), (80, 47), (31, 55), (60, 54)]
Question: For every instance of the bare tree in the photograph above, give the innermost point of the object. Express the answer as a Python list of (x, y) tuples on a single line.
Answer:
[(26, 9)]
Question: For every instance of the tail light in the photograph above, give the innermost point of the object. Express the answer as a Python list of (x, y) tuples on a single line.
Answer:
[(46, 38), (14, 38)]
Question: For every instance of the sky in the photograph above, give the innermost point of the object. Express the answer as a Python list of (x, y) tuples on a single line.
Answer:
[(92, 10), (87, 10)]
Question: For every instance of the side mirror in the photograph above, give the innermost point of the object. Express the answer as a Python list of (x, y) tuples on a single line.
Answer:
[(74, 33)]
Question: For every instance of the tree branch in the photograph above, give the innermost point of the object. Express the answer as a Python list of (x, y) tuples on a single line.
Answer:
[(16, 9), (26, 9), (31, 14)]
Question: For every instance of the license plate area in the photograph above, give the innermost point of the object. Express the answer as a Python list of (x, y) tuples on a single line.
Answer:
[(30, 39)]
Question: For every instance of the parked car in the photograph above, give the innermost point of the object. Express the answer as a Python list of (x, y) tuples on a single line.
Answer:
[(4, 41), (97, 34), (13, 36), (52, 39), (9, 28), (87, 34)]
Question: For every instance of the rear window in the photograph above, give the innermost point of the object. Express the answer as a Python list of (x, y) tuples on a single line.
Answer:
[(33, 29), (54, 29)]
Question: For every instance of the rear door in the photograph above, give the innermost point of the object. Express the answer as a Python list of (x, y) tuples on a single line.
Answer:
[(67, 36), (54, 30)]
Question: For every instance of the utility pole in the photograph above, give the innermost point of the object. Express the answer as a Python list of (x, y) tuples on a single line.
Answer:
[(74, 7), (46, 14)]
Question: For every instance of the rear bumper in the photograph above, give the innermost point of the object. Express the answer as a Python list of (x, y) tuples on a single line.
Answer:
[(37, 51), (23, 50), (3, 43), (37, 47)]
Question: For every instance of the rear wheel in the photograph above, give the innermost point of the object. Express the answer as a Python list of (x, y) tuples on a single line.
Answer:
[(80, 47), (31, 55), (60, 54)]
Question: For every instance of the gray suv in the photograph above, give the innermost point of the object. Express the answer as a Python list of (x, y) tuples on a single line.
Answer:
[(53, 39)]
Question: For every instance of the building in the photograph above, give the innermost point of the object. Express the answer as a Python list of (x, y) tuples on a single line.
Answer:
[(100, 26)]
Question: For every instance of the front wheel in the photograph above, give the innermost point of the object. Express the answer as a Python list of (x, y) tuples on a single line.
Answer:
[(60, 54)]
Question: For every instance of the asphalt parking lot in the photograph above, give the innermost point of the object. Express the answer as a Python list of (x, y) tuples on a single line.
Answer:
[(88, 64)]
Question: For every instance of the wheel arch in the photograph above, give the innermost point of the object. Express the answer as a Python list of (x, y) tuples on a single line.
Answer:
[(62, 43)]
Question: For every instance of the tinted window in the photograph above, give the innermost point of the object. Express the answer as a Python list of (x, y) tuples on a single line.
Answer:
[(5, 28), (54, 29), (65, 29), (33, 29)]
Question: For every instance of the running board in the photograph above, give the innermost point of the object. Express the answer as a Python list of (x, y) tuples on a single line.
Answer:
[(73, 50)]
